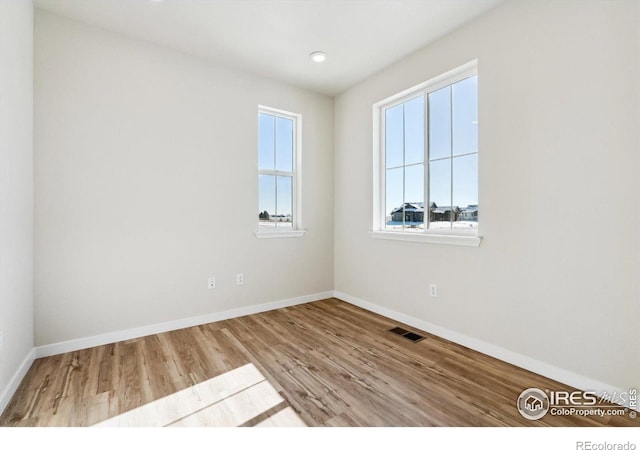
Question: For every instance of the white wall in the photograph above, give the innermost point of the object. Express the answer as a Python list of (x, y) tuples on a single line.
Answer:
[(16, 191), (556, 278), (137, 148), (146, 184)]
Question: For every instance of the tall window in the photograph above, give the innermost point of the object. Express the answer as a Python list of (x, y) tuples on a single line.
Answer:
[(428, 157), (277, 170)]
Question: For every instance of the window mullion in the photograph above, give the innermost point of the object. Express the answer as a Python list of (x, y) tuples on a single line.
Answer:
[(275, 151), (451, 159), (382, 187), (294, 181), (275, 166), (460, 155), (404, 169), (426, 216), (275, 200), (279, 173)]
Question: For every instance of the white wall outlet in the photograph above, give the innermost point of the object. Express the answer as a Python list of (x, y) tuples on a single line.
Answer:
[(433, 290), (240, 279), (211, 283)]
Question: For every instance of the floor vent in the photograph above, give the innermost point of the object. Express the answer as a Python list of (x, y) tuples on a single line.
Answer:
[(407, 334), (398, 330)]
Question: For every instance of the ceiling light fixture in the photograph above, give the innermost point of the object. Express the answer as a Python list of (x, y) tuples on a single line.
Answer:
[(318, 56)]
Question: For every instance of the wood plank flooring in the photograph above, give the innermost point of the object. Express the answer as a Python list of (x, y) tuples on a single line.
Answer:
[(325, 363)]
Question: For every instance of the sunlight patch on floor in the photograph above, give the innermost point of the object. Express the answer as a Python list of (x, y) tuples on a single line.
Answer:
[(285, 418), (228, 400)]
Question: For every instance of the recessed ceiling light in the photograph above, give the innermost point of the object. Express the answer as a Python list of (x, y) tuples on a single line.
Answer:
[(318, 56)]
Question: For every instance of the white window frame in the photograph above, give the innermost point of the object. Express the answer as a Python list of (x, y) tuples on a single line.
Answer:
[(452, 237), (296, 230)]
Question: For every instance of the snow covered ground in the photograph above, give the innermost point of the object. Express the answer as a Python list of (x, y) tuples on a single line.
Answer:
[(409, 226), (271, 225), (419, 226)]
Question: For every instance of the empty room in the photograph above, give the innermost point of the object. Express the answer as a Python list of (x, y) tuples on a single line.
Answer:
[(315, 213)]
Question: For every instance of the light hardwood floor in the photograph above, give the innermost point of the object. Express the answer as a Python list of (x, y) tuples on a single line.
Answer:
[(325, 363)]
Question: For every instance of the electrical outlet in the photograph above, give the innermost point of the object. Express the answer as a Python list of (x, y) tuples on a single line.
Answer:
[(240, 279), (211, 283), (433, 290)]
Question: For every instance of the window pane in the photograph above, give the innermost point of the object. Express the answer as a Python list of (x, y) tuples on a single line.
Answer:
[(267, 200), (394, 200), (414, 196), (394, 140), (465, 190), (440, 123), (266, 154), (284, 144), (440, 194), (465, 116), (284, 208), (414, 131)]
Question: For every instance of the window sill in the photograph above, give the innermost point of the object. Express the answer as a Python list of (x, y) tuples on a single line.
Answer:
[(446, 239), (280, 234)]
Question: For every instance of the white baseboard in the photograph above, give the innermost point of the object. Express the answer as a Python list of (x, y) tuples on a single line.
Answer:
[(116, 336), (555, 373), (15, 381), (541, 368)]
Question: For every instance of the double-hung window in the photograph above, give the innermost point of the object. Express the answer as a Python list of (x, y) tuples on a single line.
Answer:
[(426, 161), (278, 173)]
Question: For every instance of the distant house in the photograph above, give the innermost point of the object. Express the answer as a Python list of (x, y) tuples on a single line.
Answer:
[(469, 213), (265, 216), (412, 212), (443, 213), (281, 218)]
